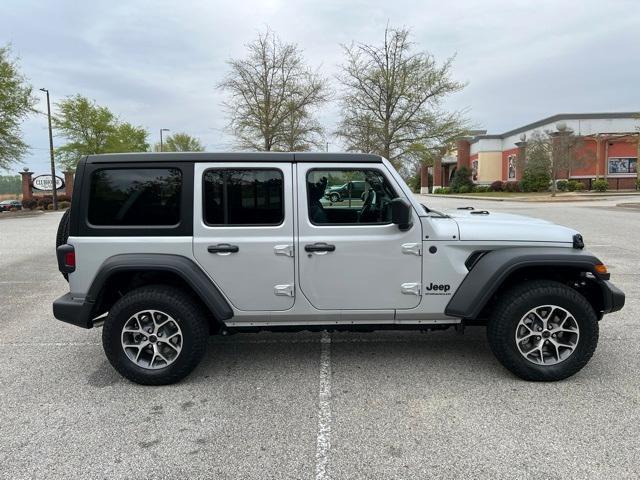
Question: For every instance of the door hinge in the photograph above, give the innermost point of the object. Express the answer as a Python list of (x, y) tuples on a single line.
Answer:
[(412, 248), (284, 290), (286, 250), (411, 288)]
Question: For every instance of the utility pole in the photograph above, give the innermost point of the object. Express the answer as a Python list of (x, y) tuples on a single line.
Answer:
[(54, 189), (162, 130)]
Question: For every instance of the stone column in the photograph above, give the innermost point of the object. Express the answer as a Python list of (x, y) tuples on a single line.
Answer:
[(424, 179), (27, 192), (68, 182), (463, 148), (437, 172)]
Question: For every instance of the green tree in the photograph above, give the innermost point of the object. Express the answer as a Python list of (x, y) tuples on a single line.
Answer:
[(392, 98), (92, 129), (180, 142), (272, 97), (10, 184), (127, 138), (536, 175), (16, 102)]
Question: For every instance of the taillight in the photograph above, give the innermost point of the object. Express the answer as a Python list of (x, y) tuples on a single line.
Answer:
[(70, 259), (66, 258)]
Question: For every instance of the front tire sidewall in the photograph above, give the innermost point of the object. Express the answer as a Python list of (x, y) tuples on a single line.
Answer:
[(502, 336), (193, 337)]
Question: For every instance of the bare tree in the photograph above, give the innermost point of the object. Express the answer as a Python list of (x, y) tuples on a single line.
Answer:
[(568, 152), (392, 98), (272, 96)]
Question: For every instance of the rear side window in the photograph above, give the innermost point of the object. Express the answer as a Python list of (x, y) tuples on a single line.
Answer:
[(135, 197), (243, 196)]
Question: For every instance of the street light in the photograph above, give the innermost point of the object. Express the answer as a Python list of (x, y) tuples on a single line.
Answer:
[(54, 189), (162, 130)]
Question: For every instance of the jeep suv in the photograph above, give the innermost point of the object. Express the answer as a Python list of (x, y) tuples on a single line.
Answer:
[(165, 249)]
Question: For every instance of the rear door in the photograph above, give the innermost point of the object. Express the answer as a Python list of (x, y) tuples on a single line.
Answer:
[(351, 256), (243, 232)]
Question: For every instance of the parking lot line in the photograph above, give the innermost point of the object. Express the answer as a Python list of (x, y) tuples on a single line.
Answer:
[(323, 444)]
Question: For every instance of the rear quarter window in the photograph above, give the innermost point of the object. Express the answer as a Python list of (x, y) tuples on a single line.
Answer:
[(135, 197)]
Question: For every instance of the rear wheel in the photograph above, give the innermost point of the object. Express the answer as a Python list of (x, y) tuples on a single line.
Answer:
[(155, 335), (543, 330)]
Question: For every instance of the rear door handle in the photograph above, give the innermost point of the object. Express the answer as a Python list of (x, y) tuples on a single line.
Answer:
[(223, 248), (319, 247)]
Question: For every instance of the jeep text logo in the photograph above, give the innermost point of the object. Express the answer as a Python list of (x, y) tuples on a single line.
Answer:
[(438, 289)]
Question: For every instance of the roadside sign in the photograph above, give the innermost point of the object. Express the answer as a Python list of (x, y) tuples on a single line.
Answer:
[(43, 182)]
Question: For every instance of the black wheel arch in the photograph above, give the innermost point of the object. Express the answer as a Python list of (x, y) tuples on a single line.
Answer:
[(122, 273), (502, 268)]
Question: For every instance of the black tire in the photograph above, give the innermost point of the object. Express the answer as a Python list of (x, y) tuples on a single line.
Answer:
[(334, 197), (515, 303), (63, 234), (186, 313)]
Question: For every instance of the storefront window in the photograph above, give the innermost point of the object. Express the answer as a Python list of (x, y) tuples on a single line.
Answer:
[(511, 167), (623, 165), (474, 170)]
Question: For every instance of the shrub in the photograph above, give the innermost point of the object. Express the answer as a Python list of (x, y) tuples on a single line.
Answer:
[(413, 182), (29, 204), (64, 204), (562, 185), (573, 185), (535, 180), (580, 187), (462, 177), (482, 188), (496, 186), (512, 187), (446, 190), (464, 189), (600, 185), (437, 191), (638, 184), (49, 206)]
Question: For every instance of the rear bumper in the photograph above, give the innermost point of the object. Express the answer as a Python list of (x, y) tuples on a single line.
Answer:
[(613, 297), (74, 311)]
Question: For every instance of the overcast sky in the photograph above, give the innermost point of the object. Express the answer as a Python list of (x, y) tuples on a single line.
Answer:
[(156, 63)]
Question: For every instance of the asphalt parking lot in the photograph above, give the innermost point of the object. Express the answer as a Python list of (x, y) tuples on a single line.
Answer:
[(381, 405)]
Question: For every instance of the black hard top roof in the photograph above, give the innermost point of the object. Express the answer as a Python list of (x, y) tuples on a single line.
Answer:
[(314, 157)]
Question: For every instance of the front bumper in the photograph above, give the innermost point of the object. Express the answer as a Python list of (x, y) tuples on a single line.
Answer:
[(613, 297), (74, 311)]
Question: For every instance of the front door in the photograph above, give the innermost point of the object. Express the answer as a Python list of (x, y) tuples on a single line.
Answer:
[(351, 256), (243, 232)]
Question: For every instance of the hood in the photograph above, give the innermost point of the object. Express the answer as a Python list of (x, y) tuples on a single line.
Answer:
[(508, 227)]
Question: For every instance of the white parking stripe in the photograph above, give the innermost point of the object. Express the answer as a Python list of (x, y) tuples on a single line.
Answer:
[(323, 444)]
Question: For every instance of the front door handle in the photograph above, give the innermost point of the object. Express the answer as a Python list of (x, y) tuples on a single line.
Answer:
[(223, 248), (319, 247)]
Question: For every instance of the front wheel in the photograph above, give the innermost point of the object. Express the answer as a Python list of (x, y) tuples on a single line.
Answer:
[(155, 335), (334, 197), (543, 330)]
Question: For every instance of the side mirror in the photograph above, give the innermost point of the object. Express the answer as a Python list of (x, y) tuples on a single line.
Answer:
[(401, 213)]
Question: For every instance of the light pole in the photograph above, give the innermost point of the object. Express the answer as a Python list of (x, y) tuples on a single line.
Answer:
[(54, 189), (162, 130)]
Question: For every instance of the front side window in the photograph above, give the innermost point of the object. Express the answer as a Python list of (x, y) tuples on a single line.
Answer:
[(135, 197), (243, 196), (349, 196), (623, 165)]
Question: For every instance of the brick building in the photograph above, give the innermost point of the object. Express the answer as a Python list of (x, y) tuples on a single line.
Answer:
[(609, 150)]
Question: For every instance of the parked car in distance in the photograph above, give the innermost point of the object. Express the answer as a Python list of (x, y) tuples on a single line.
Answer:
[(7, 205), (350, 190)]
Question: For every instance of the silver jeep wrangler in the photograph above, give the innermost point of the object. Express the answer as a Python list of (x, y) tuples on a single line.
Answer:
[(165, 249)]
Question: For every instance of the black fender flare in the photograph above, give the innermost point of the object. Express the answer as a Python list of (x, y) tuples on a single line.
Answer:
[(494, 267), (182, 266)]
